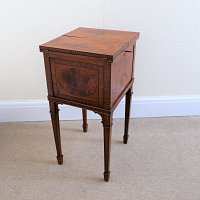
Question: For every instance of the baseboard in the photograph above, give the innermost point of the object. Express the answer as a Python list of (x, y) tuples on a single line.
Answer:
[(38, 110)]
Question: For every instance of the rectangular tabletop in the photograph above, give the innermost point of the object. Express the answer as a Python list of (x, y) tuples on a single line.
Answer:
[(91, 42)]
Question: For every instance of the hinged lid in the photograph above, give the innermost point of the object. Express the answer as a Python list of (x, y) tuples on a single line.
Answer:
[(99, 43)]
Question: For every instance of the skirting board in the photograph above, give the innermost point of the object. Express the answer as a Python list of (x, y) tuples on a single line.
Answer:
[(38, 110)]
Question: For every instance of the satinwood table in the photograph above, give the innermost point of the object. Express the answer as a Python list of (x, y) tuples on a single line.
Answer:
[(91, 69)]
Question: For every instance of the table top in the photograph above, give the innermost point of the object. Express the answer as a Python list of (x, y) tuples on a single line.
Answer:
[(91, 42)]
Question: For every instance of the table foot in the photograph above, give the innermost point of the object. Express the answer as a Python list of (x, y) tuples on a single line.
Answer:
[(85, 127), (125, 139), (106, 176), (60, 159)]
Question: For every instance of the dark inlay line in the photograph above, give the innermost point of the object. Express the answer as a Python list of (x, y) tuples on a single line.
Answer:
[(73, 36)]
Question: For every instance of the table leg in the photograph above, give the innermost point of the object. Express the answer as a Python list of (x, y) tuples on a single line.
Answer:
[(56, 130), (85, 125), (127, 114), (107, 124)]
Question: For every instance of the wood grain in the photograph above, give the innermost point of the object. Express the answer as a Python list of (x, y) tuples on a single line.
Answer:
[(93, 42), (91, 69)]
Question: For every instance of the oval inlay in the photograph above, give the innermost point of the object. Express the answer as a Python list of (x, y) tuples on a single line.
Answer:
[(77, 82)]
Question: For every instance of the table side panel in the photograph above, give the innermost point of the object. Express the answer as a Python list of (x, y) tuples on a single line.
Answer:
[(121, 73), (77, 81)]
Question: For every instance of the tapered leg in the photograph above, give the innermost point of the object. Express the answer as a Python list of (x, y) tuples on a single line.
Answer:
[(127, 114), (56, 129), (85, 125), (107, 124)]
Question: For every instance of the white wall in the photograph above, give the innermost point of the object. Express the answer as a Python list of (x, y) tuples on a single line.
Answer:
[(168, 59), (24, 25), (168, 51)]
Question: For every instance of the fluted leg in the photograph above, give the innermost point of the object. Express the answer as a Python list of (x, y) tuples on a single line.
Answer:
[(107, 124), (85, 125), (56, 129), (127, 114)]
